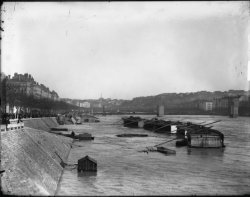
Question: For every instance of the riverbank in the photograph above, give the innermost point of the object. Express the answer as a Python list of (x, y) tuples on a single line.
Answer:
[(32, 159)]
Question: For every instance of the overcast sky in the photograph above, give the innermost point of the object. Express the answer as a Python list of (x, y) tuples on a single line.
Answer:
[(124, 50)]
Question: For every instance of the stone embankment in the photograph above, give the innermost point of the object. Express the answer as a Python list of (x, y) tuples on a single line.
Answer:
[(41, 123), (33, 159)]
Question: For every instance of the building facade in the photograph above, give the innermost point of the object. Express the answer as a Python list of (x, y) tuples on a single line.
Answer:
[(25, 84)]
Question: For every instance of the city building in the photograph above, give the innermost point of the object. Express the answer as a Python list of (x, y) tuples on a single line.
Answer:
[(25, 84), (85, 104)]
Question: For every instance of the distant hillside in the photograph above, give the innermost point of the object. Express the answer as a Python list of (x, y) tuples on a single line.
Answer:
[(174, 102)]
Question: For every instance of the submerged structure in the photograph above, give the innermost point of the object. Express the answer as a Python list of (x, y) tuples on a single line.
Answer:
[(87, 164)]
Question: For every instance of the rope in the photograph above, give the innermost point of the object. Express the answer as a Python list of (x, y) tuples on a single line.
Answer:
[(164, 126), (165, 142)]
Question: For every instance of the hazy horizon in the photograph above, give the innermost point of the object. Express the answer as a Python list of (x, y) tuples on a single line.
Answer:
[(123, 50)]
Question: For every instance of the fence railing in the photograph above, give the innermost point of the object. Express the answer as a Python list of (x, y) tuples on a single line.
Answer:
[(12, 126)]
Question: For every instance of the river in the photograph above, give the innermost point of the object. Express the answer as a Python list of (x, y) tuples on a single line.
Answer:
[(122, 170)]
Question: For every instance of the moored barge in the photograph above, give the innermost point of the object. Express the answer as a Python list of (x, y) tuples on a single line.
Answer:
[(159, 126), (133, 122), (205, 138)]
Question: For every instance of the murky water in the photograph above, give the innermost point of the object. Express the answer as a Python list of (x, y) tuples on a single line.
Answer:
[(122, 170)]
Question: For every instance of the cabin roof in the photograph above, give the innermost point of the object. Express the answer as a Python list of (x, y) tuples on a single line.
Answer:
[(205, 131), (88, 158)]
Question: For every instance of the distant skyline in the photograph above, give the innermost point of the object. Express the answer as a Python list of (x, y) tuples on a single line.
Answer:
[(124, 50)]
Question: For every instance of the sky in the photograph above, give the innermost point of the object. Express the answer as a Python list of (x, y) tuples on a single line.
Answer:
[(122, 50)]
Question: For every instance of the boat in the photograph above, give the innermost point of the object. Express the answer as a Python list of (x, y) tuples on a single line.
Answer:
[(58, 129), (131, 135), (164, 150), (84, 136), (205, 138), (159, 126), (133, 122), (183, 128)]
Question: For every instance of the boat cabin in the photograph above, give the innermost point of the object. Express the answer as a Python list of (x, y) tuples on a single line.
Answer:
[(207, 138)]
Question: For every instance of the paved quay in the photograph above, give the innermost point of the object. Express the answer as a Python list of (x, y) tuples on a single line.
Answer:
[(32, 159)]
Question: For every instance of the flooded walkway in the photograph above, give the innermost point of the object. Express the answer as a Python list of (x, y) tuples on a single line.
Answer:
[(122, 170)]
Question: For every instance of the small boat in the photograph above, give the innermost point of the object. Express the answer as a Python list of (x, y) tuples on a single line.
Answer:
[(58, 129), (84, 136), (131, 135), (165, 150)]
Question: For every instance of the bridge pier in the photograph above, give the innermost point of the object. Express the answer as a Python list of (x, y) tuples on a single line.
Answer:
[(233, 104)]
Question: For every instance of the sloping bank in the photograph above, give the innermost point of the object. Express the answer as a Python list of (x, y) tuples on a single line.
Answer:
[(33, 159)]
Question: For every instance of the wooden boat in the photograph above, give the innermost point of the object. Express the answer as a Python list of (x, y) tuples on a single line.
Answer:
[(133, 122), (164, 150), (159, 126), (58, 129), (205, 138), (131, 135), (84, 136), (182, 129)]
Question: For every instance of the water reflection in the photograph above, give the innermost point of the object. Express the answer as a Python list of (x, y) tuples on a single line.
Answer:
[(219, 152), (86, 174)]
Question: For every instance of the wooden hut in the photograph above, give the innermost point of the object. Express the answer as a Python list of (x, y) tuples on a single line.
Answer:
[(87, 164)]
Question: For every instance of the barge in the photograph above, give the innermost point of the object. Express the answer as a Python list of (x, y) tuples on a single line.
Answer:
[(133, 122), (159, 126), (205, 138)]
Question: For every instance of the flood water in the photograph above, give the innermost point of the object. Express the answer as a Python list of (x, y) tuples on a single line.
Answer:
[(122, 170)]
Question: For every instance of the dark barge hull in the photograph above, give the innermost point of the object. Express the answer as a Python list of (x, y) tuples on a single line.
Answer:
[(159, 126), (166, 150), (132, 122)]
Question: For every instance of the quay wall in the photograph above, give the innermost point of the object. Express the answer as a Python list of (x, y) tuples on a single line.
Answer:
[(33, 159), (41, 123)]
